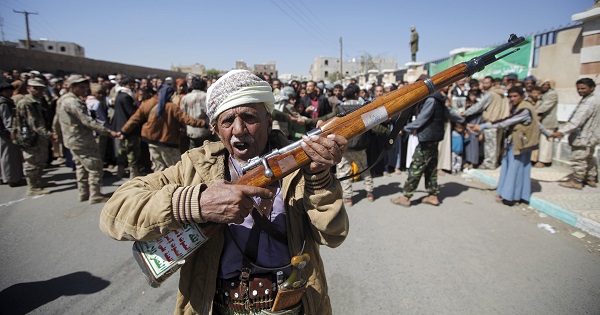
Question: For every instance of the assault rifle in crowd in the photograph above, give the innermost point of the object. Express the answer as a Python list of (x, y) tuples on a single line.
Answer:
[(162, 257)]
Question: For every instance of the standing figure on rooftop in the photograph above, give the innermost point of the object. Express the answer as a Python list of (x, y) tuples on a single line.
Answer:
[(414, 43)]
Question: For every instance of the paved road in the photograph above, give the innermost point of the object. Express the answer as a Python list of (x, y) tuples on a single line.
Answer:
[(469, 256)]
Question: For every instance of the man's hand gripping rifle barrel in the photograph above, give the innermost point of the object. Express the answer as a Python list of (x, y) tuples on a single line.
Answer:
[(262, 171)]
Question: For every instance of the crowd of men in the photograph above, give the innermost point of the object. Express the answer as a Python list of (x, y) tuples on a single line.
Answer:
[(117, 121), (93, 122)]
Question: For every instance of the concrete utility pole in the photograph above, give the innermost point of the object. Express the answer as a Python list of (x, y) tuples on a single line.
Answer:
[(341, 63), (2, 30), (26, 13)]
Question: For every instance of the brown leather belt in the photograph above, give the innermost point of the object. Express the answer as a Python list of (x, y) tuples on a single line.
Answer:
[(257, 293)]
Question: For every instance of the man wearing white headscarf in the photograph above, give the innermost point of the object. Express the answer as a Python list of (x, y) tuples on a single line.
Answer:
[(546, 111), (305, 207)]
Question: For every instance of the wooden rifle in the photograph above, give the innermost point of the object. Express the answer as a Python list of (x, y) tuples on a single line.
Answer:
[(162, 257)]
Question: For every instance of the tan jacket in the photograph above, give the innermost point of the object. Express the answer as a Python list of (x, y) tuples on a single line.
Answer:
[(526, 136), (498, 107), (146, 207), (547, 109)]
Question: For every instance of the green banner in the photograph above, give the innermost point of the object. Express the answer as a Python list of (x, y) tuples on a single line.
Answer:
[(517, 62)]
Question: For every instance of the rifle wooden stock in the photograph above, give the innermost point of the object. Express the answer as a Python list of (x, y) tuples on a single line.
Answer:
[(160, 258), (352, 124)]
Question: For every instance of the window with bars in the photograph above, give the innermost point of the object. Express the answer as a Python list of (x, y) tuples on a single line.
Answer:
[(541, 40)]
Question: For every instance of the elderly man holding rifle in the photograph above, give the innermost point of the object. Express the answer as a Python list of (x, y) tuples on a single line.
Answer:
[(237, 269)]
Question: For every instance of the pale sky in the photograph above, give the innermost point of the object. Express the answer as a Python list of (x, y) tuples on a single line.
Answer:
[(159, 34)]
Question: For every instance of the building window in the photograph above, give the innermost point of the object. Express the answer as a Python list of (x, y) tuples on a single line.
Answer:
[(541, 40), (63, 48), (326, 62), (50, 47), (326, 74)]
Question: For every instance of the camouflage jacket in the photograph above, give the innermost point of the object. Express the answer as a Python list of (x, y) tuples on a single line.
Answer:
[(584, 124), (32, 108), (76, 125)]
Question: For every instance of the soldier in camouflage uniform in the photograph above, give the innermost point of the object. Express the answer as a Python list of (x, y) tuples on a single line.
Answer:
[(584, 130), (77, 128), (429, 128), (36, 156)]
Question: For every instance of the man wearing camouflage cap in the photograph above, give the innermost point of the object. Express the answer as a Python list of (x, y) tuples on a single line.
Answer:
[(31, 109), (77, 128)]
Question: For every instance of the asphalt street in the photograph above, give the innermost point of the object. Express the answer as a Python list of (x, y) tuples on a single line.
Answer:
[(471, 255)]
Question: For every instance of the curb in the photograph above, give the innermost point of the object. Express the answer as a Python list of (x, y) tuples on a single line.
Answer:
[(574, 219)]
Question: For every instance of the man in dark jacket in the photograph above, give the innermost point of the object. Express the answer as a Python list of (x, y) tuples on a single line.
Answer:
[(129, 147), (315, 104), (357, 149), (429, 128)]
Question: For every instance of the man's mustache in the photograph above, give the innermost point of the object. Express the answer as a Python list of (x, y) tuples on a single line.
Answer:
[(248, 139)]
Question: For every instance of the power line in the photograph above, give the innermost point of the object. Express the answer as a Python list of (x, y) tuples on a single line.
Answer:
[(19, 4), (299, 24), (313, 16), (42, 24), (52, 29), (307, 22), (45, 32), (26, 13)]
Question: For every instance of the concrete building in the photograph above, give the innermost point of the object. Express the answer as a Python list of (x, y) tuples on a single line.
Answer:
[(286, 77), (195, 69), (328, 69), (241, 65), (267, 68), (590, 50), (63, 48)]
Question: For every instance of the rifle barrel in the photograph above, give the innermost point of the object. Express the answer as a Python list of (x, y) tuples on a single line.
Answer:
[(357, 122)]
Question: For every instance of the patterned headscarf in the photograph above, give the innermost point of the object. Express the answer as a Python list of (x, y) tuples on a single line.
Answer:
[(236, 88)]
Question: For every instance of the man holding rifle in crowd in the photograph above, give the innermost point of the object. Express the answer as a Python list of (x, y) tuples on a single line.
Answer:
[(306, 206)]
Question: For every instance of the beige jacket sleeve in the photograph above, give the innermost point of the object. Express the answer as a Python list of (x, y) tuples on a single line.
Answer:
[(323, 204), (144, 208), (141, 208)]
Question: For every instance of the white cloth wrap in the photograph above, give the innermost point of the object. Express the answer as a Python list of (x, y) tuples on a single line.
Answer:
[(253, 90)]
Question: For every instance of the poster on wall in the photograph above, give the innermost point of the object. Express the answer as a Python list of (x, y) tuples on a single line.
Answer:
[(518, 63)]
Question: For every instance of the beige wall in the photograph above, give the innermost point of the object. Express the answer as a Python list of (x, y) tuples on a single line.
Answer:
[(18, 58), (560, 62)]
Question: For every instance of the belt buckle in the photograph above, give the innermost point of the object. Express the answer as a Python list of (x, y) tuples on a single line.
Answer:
[(245, 274)]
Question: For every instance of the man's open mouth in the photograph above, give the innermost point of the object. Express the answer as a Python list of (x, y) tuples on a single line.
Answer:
[(241, 147)]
